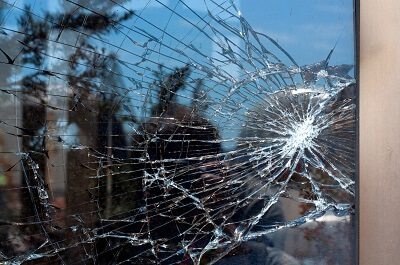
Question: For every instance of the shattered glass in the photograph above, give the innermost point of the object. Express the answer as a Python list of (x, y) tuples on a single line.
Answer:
[(177, 132)]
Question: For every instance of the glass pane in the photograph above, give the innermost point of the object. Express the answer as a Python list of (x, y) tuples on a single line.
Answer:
[(177, 132)]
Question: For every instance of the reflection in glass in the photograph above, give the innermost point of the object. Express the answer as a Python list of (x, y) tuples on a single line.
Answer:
[(177, 132)]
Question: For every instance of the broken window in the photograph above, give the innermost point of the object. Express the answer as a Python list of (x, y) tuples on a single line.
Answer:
[(177, 132)]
